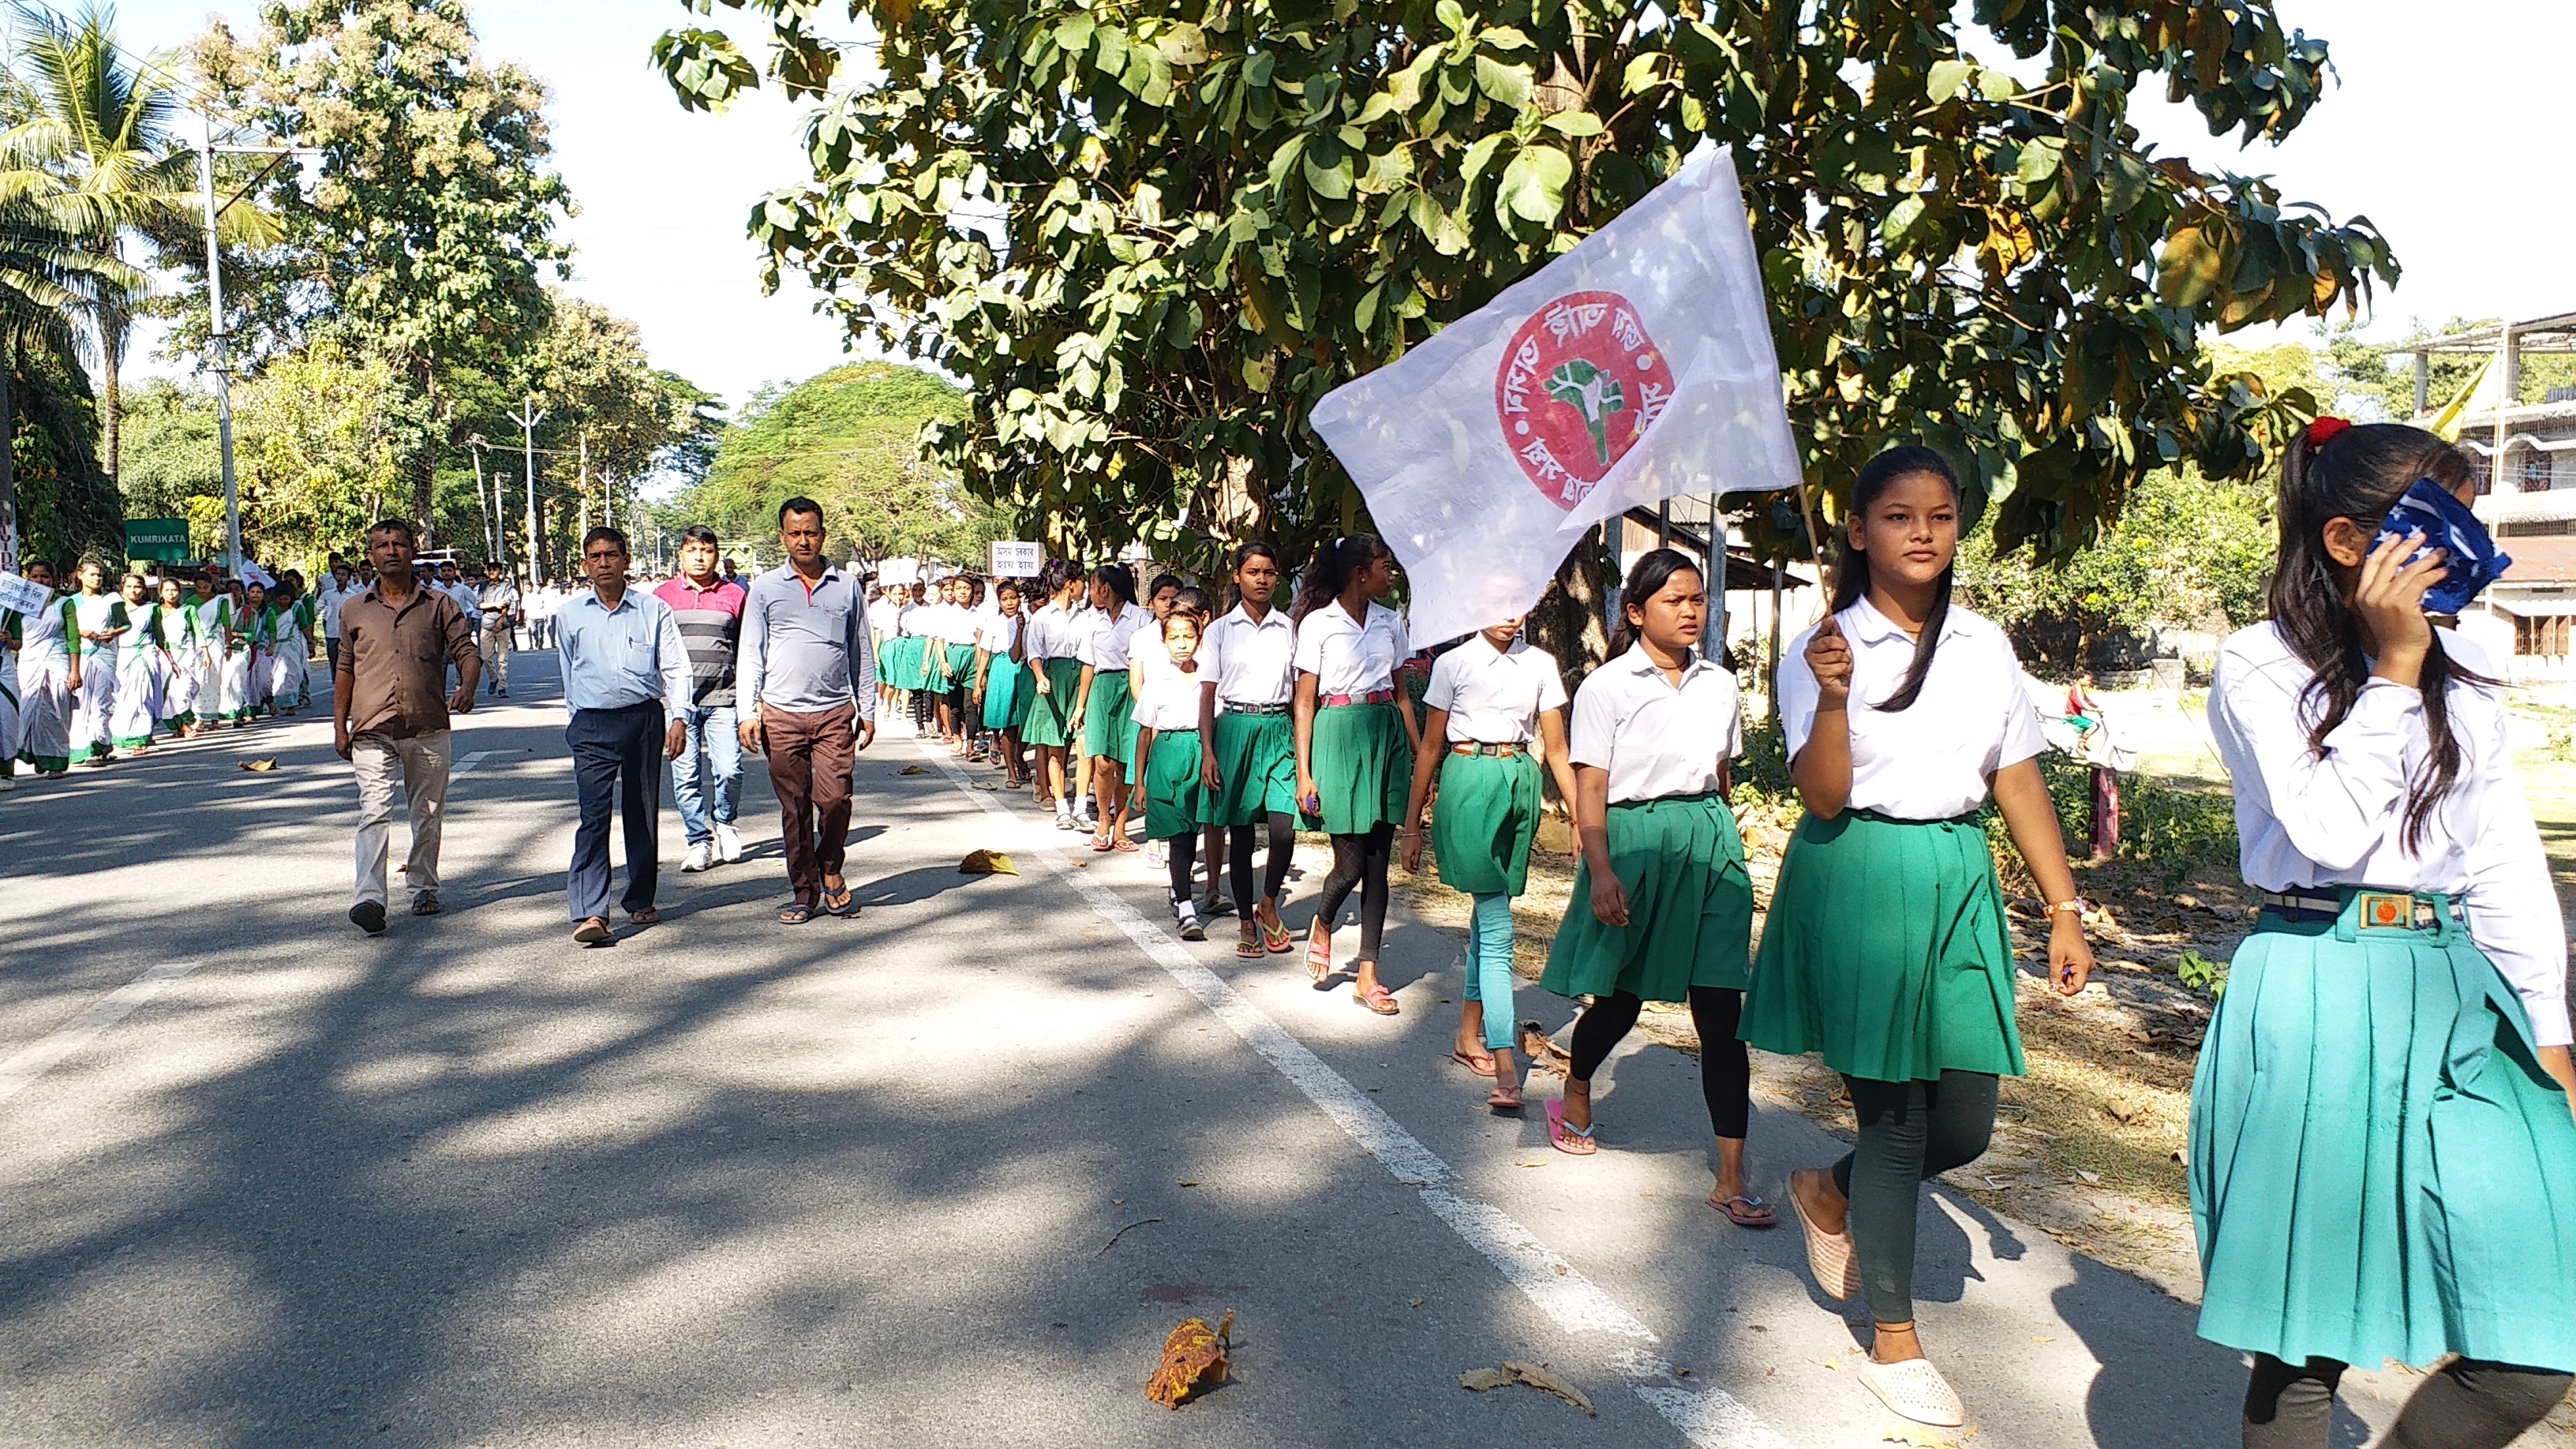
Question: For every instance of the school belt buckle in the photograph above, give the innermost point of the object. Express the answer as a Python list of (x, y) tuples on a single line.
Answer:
[(1252, 709), (1336, 701), (1498, 751)]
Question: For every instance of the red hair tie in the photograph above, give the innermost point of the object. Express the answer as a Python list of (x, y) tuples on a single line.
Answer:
[(2323, 430)]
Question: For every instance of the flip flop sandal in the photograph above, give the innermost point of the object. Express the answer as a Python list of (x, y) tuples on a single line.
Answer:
[(1506, 1099), (1484, 1068), (1829, 1256), (1100, 843), (1748, 1212), (1275, 939), (1249, 948), (1565, 1135), (1319, 959), (1915, 1390), (842, 905), (1377, 999), (591, 932), (645, 917), (796, 915), (1122, 845)]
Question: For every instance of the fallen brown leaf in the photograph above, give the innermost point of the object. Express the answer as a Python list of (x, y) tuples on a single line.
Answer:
[(259, 766), (1193, 1359), (986, 862), (914, 770), (1536, 1375)]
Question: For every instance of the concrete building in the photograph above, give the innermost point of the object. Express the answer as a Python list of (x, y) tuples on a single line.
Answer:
[(2525, 454)]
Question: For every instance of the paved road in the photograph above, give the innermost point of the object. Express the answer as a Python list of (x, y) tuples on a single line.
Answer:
[(264, 1181)]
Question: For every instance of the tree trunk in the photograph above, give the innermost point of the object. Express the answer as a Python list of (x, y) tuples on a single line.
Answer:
[(11, 543), (112, 325), (1568, 620), (424, 471)]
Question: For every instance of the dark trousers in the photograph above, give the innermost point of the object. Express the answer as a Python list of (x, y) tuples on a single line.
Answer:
[(616, 762), (810, 759)]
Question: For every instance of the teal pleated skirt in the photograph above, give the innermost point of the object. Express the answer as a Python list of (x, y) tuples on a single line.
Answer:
[(1176, 802), (905, 660), (1485, 819), (1006, 693), (1256, 761), (1046, 724), (1886, 951), (2379, 1166), (1109, 720), (961, 665), (1690, 906), (1363, 767)]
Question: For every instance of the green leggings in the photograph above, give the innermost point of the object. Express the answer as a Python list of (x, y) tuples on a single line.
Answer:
[(1489, 965), (1909, 1131)]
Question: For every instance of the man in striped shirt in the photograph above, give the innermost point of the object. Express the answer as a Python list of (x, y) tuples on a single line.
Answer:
[(709, 608)]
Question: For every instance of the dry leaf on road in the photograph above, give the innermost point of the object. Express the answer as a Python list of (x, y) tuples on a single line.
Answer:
[(1536, 1375), (260, 767), (1193, 1360), (986, 862), (914, 770)]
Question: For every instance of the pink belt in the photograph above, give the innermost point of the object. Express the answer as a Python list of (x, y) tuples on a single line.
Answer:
[(1336, 701)]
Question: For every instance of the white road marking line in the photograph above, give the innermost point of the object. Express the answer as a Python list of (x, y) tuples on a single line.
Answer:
[(33, 1062), (466, 766), (1710, 1418)]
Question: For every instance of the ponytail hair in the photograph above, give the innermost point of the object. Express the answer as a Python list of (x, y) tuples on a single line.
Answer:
[(1120, 579), (1851, 565), (1645, 581), (2359, 472), (1331, 569)]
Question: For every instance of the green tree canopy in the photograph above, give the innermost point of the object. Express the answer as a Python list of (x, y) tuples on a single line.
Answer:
[(850, 440), (1151, 234)]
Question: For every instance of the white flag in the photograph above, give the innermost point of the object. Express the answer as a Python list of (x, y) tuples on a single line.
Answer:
[(1633, 368)]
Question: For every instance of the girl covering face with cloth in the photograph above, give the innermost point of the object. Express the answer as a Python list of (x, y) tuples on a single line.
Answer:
[(2382, 1159), (1494, 703), (1662, 908), (1885, 949), (1355, 738)]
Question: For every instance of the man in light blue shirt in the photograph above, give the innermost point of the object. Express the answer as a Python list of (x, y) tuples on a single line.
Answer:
[(626, 680)]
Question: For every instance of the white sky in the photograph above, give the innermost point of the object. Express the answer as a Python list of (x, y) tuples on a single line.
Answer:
[(2441, 131)]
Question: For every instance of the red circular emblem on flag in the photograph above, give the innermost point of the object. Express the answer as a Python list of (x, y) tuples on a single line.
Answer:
[(1580, 384)]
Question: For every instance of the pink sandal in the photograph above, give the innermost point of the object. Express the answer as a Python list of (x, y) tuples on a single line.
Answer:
[(1319, 959)]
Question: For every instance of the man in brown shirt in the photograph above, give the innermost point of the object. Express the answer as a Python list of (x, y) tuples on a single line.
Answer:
[(389, 712)]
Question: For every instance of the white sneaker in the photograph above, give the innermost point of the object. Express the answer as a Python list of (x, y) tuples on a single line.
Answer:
[(1187, 912), (728, 844), (696, 859)]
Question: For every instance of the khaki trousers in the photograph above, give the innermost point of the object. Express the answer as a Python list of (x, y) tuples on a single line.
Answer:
[(496, 642), (421, 763)]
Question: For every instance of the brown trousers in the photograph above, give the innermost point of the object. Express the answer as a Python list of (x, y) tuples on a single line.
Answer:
[(810, 759)]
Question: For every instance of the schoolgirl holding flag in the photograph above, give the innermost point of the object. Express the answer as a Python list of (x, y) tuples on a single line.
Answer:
[(1247, 743), (1355, 743), (1885, 949), (1493, 704), (2383, 1163)]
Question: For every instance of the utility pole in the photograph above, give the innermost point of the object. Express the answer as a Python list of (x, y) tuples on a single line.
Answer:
[(528, 416), (220, 335)]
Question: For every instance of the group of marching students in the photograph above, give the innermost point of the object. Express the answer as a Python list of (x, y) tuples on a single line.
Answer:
[(2382, 1152), (103, 673)]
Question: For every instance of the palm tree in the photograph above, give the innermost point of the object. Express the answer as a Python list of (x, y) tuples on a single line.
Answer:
[(47, 278), (99, 160)]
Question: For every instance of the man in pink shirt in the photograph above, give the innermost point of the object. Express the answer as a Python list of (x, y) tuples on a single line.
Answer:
[(709, 608)]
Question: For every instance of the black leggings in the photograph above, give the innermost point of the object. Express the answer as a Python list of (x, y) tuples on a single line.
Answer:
[(2472, 1404), (1274, 877), (1362, 861), (921, 701), (1725, 1068), (1185, 858), (1909, 1131)]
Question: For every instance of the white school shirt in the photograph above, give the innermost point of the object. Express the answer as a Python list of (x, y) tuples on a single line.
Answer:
[(1169, 699), (1252, 664), (331, 597), (996, 633), (1931, 761), (885, 618), (1050, 633), (1655, 739), (1106, 642), (1494, 696), (2340, 819), (1347, 656)]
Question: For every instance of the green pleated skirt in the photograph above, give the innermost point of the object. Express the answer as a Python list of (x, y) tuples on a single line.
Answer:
[(1690, 906), (1006, 693), (2379, 1167), (1048, 713), (1363, 768), (1886, 952), (961, 665), (1176, 802), (1109, 720), (1484, 821), (1256, 761), (905, 660)]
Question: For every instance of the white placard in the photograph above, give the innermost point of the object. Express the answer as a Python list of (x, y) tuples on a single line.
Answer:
[(1017, 560), (21, 595)]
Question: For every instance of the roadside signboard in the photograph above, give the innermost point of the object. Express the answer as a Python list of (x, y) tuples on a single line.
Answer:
[(163, 540), (1017, 560)]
